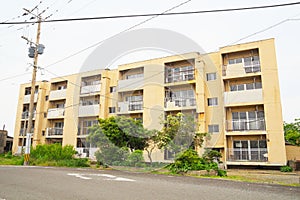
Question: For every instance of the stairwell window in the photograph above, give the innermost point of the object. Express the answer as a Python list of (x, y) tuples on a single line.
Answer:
[(112, 109), (212, 101), (214, 128), (211, 76)]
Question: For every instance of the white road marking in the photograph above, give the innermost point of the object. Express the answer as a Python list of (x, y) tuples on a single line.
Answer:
[(80, 176), (108, 177)]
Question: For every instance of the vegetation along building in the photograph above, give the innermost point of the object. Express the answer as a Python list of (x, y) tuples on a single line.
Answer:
[(232, 93)]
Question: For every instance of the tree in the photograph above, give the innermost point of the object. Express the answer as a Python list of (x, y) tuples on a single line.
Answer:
[(292, 132), (124, 132), (179, 133)]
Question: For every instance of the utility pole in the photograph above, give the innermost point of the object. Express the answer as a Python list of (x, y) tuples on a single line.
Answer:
[(36, 49)]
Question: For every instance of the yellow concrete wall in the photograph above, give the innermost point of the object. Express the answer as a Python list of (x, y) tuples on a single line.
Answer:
[(292, 152)]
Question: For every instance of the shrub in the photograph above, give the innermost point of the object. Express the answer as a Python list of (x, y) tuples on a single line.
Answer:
[(286, 169), (222, 172), (111, 155), (189, 160), (135, 159)]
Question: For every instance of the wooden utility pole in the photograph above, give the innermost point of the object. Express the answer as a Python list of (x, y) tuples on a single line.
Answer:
[(32, 91)]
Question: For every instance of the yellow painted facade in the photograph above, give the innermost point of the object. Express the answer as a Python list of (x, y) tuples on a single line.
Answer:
[(233, 93)]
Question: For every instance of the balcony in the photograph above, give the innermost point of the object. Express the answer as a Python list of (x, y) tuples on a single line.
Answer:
[(25, 115), (84, 131), (90, 89), (57, 94), (27, 98), (247, 154), (88, 110), (180, 103), (23, 131), (246, 125), (235, 98), (130, 106), (240, 70), (54, 132), (131, 84), (56, 113)]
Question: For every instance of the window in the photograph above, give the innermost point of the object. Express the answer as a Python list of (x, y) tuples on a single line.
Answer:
[(250, 120), (214, 128), (112, 89), (249, 150), (112, 109), (176, 74), (235, 61), (27, 91), (62, 87), (133, 76), (211, 76), (60, 105), (247, 86), (212, 101)]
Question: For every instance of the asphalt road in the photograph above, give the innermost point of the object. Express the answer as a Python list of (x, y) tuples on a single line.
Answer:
[(64, 183)]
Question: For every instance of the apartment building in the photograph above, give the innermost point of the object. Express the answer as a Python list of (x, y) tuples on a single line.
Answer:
[(233, 94)]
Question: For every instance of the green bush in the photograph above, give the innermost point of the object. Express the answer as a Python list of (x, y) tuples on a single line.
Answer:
[(222, 172), (286, 169), (135, 159), (189, 160), (112, 155)]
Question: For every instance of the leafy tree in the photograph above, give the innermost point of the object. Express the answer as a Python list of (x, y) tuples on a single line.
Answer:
[(292, 132), (124, 132), (179, 133)]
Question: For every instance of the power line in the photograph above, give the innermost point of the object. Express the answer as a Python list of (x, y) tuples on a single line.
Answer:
[(159, 14), (119, 33), (97, 43)]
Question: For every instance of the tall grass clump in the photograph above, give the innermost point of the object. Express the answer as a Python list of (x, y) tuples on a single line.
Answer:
[(56, 155)]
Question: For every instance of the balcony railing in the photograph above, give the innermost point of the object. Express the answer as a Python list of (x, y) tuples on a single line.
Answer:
[(25, 114), (27, 98), (88, 89), (54, 131), (247, 154), (83, 131), (240, 69), (89, 110), (135, 105), (23, 131), (130, 106), (179, 102), (245, 125), (57, 94), (242, 97), (56, 113)]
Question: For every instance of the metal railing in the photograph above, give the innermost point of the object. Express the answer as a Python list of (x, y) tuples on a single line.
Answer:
[(25, 114), (54, 131), (251, 68), (247, 154), (83, 131), (245, 125), (23, 131), (135, 105)]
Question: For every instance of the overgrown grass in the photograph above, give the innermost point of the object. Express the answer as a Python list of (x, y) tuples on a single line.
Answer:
[(56, 155), (9, 159)]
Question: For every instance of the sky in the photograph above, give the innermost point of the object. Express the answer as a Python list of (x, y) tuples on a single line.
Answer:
[(210, 31)]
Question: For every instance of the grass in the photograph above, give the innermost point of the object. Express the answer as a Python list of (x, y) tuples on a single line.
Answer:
[(8, 159), (232, 178)]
